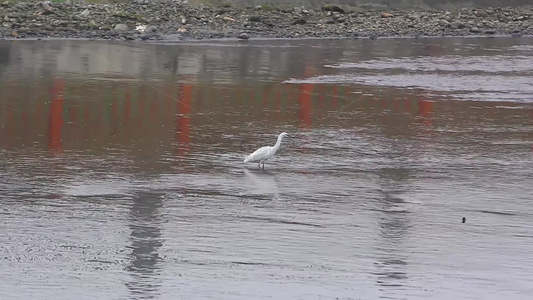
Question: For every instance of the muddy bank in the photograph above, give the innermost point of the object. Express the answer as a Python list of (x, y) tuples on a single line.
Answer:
[(156, 20)]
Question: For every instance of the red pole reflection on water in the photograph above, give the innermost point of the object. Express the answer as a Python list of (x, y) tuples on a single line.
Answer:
[(277, 103), (86, 113), (425, 108), (335, 100), (183, 120), (141, 104), (55, 117), (321, 91), (127, 107), (304, 101), (168, 105), (153, 104)]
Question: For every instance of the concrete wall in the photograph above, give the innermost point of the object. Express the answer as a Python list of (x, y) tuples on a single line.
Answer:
[(440, 4)]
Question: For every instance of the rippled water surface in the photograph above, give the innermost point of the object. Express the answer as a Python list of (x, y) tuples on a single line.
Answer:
[(122, 174)]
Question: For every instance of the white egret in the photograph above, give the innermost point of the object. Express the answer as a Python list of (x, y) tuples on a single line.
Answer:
[(262, 154)]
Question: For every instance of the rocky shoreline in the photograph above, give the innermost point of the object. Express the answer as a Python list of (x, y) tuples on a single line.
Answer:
[(175, 20)]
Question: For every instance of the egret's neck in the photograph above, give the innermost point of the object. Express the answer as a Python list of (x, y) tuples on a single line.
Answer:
[(278, 143)]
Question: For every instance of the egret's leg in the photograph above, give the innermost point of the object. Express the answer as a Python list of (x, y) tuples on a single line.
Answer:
[(263, 164), (259, 165)]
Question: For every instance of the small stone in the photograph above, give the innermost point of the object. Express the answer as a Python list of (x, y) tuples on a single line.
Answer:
[(254, 19), (267, 22), (341, 20), (332, 8), (150, 29), (243, 36), (490, 31), (474, 29), (457, 24), (330, 21), (223, 11), (482, 13), (228, 19), (443, 22), (85, 13), (258, 7), (121, 27), (140, 29), (183, 21), (387, 15), (299, 22), (297, 10), (47, 5), (305, 11)]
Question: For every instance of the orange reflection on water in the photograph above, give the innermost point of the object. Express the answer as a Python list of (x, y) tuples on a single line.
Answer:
[(425, 109), (305, 105), (55, 117), (183, 119), (127, 107)]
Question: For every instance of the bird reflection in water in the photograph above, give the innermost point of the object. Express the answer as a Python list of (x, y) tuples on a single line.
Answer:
[(145, 242), (261, 182)]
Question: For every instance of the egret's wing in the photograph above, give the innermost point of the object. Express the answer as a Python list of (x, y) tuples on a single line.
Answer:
[(258, 154)]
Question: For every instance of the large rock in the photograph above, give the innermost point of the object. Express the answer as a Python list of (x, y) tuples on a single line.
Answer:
[(328, 7), (254, 19), (299, 22), (243, 36), (85, 13), (121, 27), (456, 24)]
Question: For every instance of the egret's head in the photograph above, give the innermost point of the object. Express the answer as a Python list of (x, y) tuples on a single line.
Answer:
[(283, 134)]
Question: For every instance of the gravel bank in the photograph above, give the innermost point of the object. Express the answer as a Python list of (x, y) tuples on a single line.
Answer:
[(160, 20)]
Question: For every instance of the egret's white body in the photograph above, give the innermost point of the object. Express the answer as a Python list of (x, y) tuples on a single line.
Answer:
[(262, 154)]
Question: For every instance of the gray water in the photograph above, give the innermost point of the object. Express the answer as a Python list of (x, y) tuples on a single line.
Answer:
[(121, 172)]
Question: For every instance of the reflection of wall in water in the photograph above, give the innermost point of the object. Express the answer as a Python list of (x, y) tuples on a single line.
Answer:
[(5, 55), (226, 64), (229, 62)]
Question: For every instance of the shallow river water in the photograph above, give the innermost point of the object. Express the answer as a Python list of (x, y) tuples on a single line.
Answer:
[(122, 174)]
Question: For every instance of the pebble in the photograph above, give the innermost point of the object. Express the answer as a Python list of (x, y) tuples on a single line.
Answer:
[(243, 36)]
